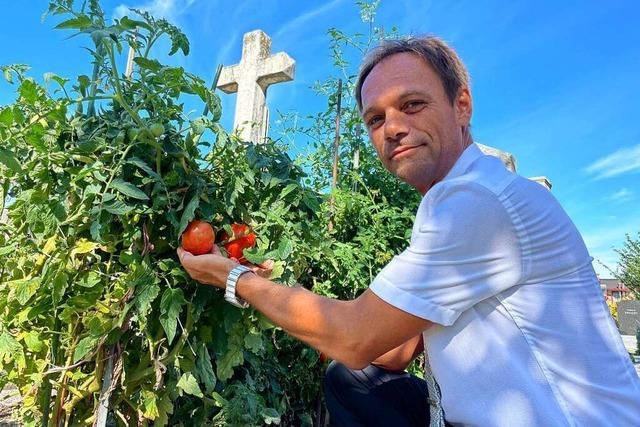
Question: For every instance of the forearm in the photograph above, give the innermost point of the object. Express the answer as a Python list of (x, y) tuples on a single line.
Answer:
[(400, 357), (325, 324)]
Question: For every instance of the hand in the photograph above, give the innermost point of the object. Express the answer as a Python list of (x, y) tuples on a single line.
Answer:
[(212, 269), (263, 270)]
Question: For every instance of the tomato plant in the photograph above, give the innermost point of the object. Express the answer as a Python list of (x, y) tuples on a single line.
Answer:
[(104, 173)]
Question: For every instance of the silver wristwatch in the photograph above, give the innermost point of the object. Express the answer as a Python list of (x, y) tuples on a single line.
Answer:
[(230, 291)]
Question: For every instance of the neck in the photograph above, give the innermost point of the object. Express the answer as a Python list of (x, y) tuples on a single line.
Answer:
[(467, 140)]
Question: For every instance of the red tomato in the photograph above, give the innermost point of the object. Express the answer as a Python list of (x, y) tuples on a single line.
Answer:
[(234, 249), (198, 238), (242, 239)]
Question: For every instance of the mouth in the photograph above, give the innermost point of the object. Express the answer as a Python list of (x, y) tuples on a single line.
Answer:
[(403, 149)]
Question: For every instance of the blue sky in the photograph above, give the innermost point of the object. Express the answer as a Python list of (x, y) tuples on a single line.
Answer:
[(554, 83)]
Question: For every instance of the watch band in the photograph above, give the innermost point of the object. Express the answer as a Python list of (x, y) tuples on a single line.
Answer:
[(230, 291)]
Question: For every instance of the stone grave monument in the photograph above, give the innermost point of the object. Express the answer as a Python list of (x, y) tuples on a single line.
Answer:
[(628, 317), (251, 78)]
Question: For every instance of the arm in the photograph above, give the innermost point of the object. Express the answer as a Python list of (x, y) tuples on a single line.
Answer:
[(352, 332), (400, 357)]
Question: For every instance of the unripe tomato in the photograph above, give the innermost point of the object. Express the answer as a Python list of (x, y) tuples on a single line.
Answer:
[(132, 133), (145, 135), (119, 139), (198, 238), (157, 129)]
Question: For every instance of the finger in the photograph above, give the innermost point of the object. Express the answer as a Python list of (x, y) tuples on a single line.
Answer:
[(183, 255), (267, 265), (216, 250)]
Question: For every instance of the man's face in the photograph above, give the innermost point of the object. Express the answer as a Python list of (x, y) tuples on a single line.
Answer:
[(413, 126)]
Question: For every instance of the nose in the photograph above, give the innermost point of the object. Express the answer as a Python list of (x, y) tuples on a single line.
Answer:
[(396, 126)]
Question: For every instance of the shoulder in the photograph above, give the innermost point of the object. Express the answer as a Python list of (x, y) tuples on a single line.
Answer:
[(473, 202)]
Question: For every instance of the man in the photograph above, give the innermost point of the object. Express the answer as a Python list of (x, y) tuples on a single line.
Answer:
[(496, 284)]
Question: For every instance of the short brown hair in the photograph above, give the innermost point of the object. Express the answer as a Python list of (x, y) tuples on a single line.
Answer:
[(442, 58)]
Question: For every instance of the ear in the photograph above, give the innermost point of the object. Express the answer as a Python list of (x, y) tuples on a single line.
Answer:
[(464, 106)]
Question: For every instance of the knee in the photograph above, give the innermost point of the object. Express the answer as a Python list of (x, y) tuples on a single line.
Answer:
[(336, 376)]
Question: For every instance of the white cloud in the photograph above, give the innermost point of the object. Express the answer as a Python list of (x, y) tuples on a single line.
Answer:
[(622, 195), (223, 53), (168, 9), (304, 18), (624, 160)]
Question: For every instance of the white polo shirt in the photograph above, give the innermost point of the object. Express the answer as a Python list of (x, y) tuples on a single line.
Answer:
[(523, 336)]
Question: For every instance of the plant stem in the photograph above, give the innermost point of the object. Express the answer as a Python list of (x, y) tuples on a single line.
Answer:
[(119, 97), (94, 79), (46, 391), (140, 375)]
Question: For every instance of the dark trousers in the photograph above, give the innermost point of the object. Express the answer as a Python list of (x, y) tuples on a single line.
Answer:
[(374, 397)]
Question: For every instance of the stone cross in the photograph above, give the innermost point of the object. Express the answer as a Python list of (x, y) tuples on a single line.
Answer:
[(257, 70)]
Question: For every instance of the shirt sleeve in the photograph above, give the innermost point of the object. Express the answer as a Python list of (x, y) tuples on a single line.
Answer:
[(464, 249)]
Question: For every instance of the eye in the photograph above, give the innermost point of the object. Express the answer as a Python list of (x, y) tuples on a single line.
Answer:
[(373, 121), (413, 106)]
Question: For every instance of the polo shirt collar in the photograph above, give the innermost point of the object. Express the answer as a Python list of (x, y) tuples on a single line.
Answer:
[(468, 156)]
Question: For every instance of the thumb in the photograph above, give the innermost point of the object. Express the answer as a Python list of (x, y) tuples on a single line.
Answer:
[(184, 256)]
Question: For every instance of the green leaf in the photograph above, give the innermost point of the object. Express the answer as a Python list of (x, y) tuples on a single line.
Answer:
[(285, 248), (9, 346), (288, 189), (96, 230), (270, 416), (147, 293), (145, 167), (232, 358), (83, 246), (29, 91), (60, 283), (7, 249), (83, 84), (165, 407), (130, 24), (118, 207), (25, 289), (128, 189), (150, 404), (83, 348), (89, 280), (189, 385), (6, 116), (147, 64), (253, 342), (178, 40), (278, 270), (56, 78), (170, 307), (7, 158), (81, 22), (33, 341), (220, 401), (204, 368), (188, 213)]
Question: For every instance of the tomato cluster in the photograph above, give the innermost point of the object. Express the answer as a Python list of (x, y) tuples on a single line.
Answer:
[(199, 238), (242, 239)]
